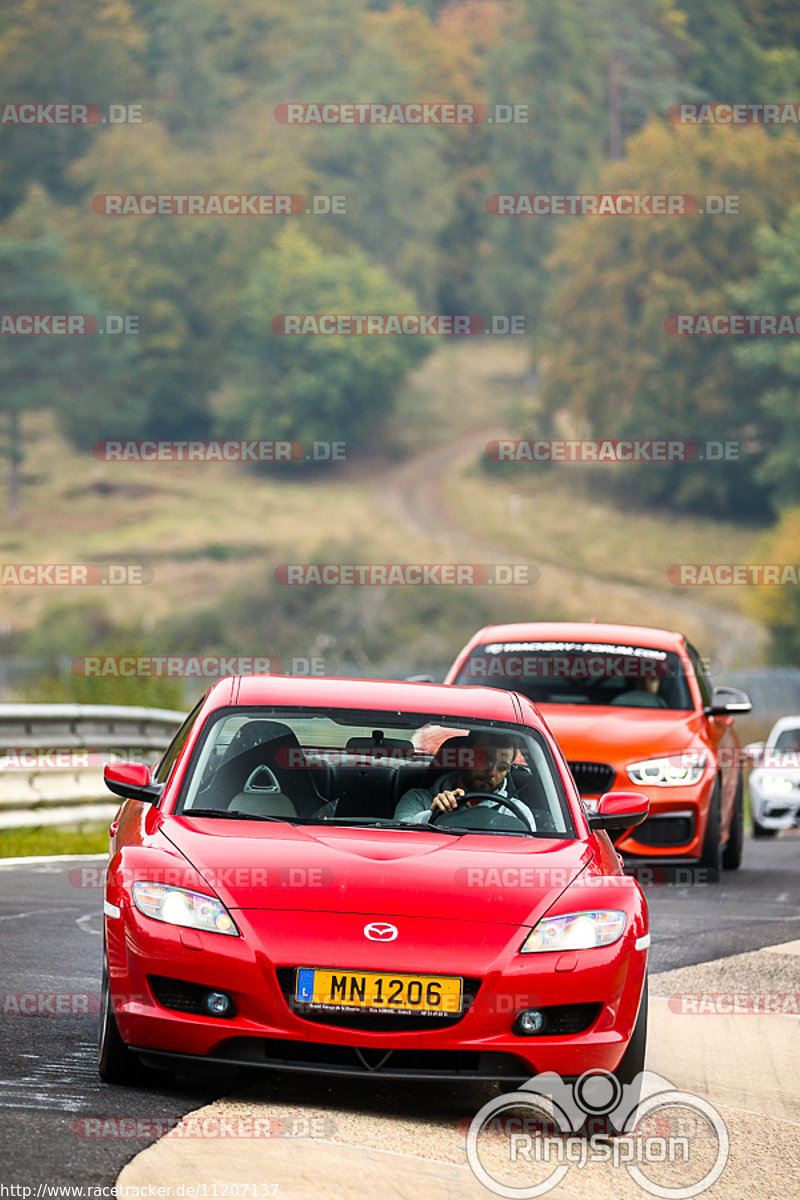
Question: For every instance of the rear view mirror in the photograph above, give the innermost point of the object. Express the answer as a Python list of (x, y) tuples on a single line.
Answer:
[(727, 702), (132, 781), (619, 810)]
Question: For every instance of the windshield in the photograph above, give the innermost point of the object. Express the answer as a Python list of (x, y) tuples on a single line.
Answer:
[(788, 739), (337, 766), (586, 673)]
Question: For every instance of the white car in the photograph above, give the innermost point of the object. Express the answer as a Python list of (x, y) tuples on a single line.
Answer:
[(775, 781)]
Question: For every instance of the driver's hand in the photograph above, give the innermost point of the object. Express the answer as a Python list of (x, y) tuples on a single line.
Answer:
[(446, 801)]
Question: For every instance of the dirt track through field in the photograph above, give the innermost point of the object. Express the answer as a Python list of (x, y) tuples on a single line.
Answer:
[(415, 493)]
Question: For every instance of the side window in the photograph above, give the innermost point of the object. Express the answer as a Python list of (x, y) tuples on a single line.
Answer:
[(699, 668), (176, 745)]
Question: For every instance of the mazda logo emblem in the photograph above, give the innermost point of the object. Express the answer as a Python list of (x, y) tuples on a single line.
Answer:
[(379, 931)]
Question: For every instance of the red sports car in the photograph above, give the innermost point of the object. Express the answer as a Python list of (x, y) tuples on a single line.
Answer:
[(631, 706), (286, 890)]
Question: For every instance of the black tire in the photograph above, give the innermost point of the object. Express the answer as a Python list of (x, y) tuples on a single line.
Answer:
[(115, 1063), (732, 854), (711, 856), (762, 831), (630, 1068), (632, 1062)]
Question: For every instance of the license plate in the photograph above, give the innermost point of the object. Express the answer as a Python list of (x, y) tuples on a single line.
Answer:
[(374, 991)]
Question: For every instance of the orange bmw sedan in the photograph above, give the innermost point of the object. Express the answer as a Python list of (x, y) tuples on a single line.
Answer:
[(631, 706)]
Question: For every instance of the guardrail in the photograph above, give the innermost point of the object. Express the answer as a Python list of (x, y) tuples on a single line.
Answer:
[(52, 755)]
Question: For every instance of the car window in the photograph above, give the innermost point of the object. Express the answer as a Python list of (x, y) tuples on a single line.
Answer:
[(162, 771), (788, 739), (327, 765), (586, 673), (699, 668)]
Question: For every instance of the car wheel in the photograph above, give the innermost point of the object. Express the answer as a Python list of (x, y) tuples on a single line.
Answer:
[(711, 855), (628, 1075), (115, 1063), (732, 854), (762, 831), (632, 1063)]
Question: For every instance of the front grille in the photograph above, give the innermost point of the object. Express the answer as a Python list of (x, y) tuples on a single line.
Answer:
[(401, 1022), (178, 994), (665, 831), (568, 1018), (367, 1060), (592, 778)]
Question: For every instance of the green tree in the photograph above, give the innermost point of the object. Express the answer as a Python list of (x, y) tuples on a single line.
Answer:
[(44, 370), (81, 52), (317, 387), (773, 363), (777, 606), (591, 73), (611, 364)]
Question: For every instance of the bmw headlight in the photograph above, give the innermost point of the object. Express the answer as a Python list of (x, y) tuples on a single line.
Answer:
[(576, 931), (776, 785), (680, 770), (179, 906)]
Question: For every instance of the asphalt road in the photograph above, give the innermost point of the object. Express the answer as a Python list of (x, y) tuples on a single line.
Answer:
[(50, 947)]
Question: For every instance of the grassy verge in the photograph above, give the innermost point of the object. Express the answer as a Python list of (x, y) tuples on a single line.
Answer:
[(53, 839)]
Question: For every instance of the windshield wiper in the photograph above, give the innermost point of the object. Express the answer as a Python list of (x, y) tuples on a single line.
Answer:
[(230, 815), (380, 823)]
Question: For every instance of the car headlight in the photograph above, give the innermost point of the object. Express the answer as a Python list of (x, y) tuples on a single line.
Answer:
[(179, 906), (576, 931), (676, 771), (778, 785)]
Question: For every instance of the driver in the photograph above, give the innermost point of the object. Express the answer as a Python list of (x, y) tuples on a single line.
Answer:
[(494, 752)]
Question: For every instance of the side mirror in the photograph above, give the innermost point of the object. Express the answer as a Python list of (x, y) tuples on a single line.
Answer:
[(619, 810), (727, 701), (131, 781)]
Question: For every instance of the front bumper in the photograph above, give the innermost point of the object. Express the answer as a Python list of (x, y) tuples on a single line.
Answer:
[(676, 825), (266, 1032)]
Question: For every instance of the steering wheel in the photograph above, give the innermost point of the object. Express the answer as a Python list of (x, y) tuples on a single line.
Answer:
[(521, 811)]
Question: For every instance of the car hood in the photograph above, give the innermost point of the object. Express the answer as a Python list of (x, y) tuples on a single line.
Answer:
[(617, 735), (478, 877)]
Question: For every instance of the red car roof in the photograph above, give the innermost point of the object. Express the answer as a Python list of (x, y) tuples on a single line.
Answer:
[(580, 631), (384, 695)]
